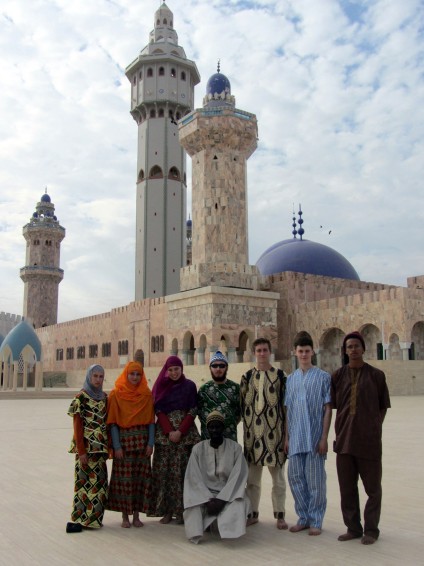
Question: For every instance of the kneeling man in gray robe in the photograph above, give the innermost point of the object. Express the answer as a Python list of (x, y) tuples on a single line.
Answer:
[(214, 485)]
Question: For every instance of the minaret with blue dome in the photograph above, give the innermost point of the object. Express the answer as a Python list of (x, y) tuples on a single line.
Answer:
[(42, 273), (162, 92), (219, 138)]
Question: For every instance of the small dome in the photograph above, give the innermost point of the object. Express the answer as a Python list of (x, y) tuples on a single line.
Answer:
[(35, 215), (304, 256), (189, 222), (20, 336), (217, 84), (45, 198)]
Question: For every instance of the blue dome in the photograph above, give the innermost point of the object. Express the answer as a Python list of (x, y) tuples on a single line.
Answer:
[(22, 335), (189, 222), (218, 83), (304, 256), (35, 215), (45, 198)]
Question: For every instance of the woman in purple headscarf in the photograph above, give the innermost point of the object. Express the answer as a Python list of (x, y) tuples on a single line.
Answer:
[(175, 399)]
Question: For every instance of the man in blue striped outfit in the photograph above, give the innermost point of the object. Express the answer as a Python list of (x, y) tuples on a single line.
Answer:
[(308, 406)]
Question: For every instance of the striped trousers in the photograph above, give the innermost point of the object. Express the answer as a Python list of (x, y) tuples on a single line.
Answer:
[(307, 480)]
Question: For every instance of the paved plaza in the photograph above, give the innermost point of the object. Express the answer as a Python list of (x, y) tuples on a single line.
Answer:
[(37, 487)]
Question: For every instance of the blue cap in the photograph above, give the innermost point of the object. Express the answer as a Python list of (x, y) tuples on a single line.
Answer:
[(218, 357)]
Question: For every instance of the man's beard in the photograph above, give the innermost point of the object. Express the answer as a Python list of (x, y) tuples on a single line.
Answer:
[(221, 378)]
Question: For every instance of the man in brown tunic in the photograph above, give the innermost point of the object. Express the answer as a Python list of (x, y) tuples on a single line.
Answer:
[(361, 397)]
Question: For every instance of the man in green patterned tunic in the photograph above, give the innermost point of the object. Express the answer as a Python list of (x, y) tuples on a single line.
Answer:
[(219, 394)]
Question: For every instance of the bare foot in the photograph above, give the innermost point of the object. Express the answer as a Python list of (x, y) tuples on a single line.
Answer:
[(282, 525), (166, 519), (137, 523), (366, 539), (251, 521), (348, 536), (125, 522), (298, 528), (314, 532)]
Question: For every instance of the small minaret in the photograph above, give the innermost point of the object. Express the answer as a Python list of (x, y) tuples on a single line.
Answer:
[(219, 138), (162, 91), (42, 274)]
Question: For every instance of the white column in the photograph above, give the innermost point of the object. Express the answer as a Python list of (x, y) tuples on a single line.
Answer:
[(15, 376), (404, 346)]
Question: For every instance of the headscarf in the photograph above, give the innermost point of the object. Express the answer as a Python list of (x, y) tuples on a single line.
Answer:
[(95, 393), (130, 405), (170, 395)]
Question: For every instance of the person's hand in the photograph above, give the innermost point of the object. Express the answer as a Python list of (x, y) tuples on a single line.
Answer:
[(83, 458), (175, 436), (214, 506), (149, 451), (322, 447), (119, 454)]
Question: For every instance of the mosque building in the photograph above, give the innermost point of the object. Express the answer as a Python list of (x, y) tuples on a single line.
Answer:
[(195, 289)]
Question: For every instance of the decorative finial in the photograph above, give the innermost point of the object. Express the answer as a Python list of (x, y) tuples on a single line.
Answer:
[(301, 231), (45, 190), (219, 65), (294, 232)]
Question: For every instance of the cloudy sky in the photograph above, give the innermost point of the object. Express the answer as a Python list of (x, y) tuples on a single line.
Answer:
[(337, 87)]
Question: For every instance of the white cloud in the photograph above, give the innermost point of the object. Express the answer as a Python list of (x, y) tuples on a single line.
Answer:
[(337, 87)]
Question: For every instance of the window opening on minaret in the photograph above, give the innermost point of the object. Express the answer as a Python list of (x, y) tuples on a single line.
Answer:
[(161, 113), (174, 173), (178, 115), (183, 76), (156, 172), (161, 71), (215, 157), (165, 22), (152, 113), (173, 73), (216, 206), (150, 72), (140, 76), (141, 175), (135, 80), (171, 113)]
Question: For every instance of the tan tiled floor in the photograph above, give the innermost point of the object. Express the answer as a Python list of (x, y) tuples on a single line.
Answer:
[(36, 493)]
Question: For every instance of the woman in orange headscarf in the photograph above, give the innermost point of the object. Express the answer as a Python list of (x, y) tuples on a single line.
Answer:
[(131, 419)]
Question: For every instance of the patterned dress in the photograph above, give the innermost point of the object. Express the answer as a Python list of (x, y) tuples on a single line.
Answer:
[(262, 406), (169, 465), (222, 397), (130, 486), (90, 492)]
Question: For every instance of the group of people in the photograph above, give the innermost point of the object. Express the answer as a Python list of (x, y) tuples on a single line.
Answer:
[(208, 481)]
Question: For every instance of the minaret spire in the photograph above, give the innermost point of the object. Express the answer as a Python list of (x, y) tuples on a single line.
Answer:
[(42, 273), (162, 92)]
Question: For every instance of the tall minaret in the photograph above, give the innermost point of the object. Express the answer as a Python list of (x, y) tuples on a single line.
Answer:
[(42, 274), (219, 138), (162, 91)]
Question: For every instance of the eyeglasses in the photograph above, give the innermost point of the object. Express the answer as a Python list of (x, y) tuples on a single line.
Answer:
[(220, 366)]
